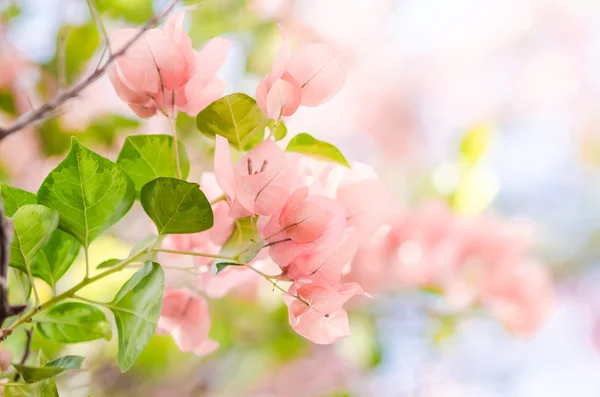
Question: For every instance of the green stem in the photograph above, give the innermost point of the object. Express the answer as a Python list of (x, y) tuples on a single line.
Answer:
[(87, 262), (190, 253), (175, 144), (71, 292), (220, 198)]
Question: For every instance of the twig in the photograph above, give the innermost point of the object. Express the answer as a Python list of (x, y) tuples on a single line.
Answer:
[(46, 109), (62, 66), (27, 351), (99, 24), (6, 310)]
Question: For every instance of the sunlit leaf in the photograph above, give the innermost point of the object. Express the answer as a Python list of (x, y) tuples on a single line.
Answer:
[(136, 308), (14, 198), (91, 193), (176, 206), (33, 226), (236, 117), (305, 144), (147, 157)]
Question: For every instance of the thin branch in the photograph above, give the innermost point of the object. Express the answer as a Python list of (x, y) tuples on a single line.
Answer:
[(27, 351), (45, 111), (99, 24)]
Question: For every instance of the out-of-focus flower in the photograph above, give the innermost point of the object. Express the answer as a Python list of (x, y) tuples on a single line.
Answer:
[(308, 76), (185, 316)]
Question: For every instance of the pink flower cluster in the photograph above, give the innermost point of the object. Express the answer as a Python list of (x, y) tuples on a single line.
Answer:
[(312, 217), (472, 261), (162, 72)]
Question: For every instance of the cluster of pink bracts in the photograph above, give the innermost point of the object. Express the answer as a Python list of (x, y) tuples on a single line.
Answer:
[(327, 231), (312, 215)]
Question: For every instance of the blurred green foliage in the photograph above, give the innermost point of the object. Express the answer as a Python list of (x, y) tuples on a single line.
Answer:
[(134, 11), (80, 44), (103, 131)]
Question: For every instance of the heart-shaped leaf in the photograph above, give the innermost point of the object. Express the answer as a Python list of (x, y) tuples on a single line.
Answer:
[(74, 322), (55, 257), (236, 117), (136, 308), (305, 144), (146, 157), (176, 206), (14, 198), (90, 192), (33, 224), (50, 369)]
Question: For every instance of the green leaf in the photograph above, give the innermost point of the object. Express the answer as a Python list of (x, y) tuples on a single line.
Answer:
[(74, 322), (109, 263), (7, 102), (280, 132), (236, 117), (222, 265), (146, 157), (91, 193), (19, 286), (48, 388), (134, 11), (176, 206), (305, 144), (81, 42), (241, 239), (136, 308), (50, 370), (14, 198), (33, 226), (55, 257)]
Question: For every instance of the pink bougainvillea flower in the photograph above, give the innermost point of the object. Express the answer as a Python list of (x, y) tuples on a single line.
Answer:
[(185, 316), (323, 320), (163, 66), (523, 300), (325, 265), (259, 183), (309, 76), (306, 224), (369, 204)]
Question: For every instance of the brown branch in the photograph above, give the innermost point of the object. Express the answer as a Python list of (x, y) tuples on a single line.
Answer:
[(26, 352), (6, 310), (44, 111)]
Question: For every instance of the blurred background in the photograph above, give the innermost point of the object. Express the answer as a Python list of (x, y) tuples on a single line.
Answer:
[(492, 106)]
